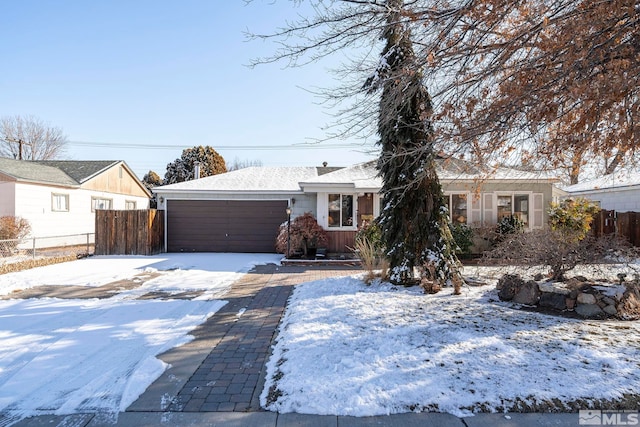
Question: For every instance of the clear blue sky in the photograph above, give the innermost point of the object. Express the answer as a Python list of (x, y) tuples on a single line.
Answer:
[(141, 80)]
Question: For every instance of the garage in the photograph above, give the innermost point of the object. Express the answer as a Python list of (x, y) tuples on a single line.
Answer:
[(224, 225)]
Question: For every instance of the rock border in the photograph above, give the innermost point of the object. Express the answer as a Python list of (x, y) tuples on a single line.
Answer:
[(587, 299)]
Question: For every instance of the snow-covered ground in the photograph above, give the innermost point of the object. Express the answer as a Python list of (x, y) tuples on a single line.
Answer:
[(61, 356), (346, 348)]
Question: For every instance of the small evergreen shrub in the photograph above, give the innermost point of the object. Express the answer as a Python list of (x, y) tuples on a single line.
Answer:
[(509, 225), (371, 233), (463, 237)]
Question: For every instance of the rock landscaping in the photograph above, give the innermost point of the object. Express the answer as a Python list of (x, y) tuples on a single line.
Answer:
[(577, 296)]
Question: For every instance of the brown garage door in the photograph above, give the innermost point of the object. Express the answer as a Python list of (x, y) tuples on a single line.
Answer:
[(224, 225)]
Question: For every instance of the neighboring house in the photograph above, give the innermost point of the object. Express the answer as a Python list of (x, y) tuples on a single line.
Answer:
[(241, 211), (59, 197), (618, 191)]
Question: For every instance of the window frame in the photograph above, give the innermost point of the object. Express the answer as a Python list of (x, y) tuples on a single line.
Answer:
[(54, 208), (449, 204), (94, 199), (340, 225), (529, 221), (128, 202)]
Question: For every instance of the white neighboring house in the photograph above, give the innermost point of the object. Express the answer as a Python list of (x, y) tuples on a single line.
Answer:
[(59, 197), (619, 191)]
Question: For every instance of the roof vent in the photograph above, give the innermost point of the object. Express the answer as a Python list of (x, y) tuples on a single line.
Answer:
[(324, 164)]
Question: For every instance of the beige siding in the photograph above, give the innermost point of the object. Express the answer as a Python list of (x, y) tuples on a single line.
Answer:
[(489, 189), (116, 180)]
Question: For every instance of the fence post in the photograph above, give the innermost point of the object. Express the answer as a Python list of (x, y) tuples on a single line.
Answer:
[(87, 243), (33, 251)]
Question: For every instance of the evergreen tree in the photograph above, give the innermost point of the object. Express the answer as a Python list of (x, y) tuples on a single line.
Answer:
[(151, 179), (413, 220), (182, 169)]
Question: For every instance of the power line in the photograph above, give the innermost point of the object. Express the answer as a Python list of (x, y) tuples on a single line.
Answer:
[(304, 146)]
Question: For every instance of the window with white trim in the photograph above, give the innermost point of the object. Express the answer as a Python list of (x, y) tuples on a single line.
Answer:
[(59, 202), (514, 204), (130, 205), (458, 207), (340, 210), (100, 203)]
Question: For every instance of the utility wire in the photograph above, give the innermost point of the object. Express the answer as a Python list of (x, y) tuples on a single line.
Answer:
[(304, 146)]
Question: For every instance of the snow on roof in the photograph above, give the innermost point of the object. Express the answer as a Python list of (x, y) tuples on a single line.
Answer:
[(363, 175), (255, 178), (625, 178)]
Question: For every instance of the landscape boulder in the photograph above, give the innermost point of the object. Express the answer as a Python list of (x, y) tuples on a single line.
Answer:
[(556, 301), (528, 293), (508, 285), (590, 311)]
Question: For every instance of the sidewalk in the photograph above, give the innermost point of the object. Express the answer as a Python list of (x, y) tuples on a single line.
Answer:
[(216, 379)]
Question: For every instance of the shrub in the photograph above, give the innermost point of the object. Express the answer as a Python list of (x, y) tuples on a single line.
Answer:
[(13, 227), (573, 215), (558, 250), (463, 237), (509, 225), (305, 233), (372, 233)]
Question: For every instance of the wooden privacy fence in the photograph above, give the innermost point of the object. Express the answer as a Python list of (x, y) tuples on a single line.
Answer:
[(626, 224), (129, 232)]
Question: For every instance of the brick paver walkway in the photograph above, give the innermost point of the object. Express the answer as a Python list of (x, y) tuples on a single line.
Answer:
[(239, 338)]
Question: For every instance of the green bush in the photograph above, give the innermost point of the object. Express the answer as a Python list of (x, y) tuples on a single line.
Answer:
[(372, 233), (509, 225), (463, 237), (573, 215)]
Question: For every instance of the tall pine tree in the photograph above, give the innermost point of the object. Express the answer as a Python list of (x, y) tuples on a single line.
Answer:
[(182, 169), (414, 222)]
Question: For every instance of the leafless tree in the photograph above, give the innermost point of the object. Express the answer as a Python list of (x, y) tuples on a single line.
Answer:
[(30, 138), (241, 164), (510, 80)]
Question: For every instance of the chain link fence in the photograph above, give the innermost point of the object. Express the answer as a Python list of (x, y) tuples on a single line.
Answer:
[(31, 248)]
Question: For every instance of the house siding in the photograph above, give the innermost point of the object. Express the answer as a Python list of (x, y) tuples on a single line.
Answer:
[(303, 202), (8, 198), (621, 199), (116, 180), (485, 188), (33, 202)]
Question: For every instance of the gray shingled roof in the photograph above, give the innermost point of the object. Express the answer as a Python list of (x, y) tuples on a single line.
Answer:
[(61, 172), (80, 171)]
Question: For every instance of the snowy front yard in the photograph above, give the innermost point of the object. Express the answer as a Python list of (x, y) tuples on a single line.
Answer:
[(344, 348), (349, 349), (62, 356)]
